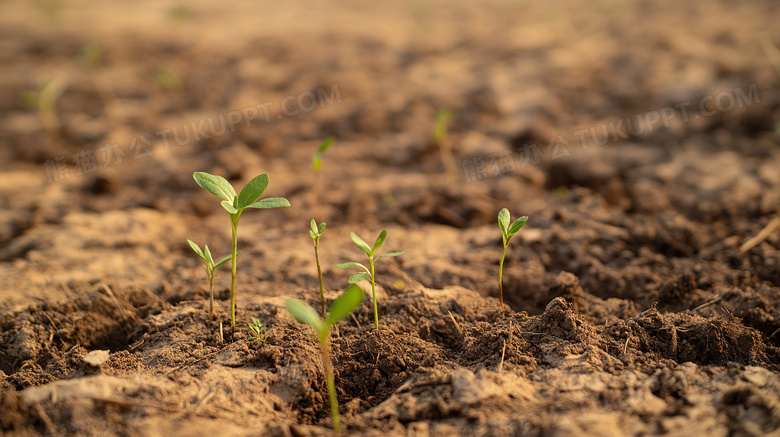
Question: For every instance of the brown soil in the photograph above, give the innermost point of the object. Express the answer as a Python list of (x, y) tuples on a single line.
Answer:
[(640, 302)]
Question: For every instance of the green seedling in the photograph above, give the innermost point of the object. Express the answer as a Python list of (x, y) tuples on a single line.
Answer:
[(167, 80), (443, 143), (316, 233), (341, 307), (211, 267), (258, 329), (235, 205), (369, 272), (507, 232), (316, 162)]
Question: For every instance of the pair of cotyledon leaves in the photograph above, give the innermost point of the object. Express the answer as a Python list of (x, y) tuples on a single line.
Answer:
[(235, 203), (503, 223), (357, 277), (206, 255), (341, 307), (316, 232)]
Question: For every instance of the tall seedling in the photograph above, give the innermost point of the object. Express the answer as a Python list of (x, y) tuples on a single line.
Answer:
[(316, 233), (236, 204), (507, 232), (342, 307), (369, 272)]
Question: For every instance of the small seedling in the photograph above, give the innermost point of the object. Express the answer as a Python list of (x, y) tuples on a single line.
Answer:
[(507, 232), (369, 272), (316, 162), (341, 307), (443, 143), (211, 267), (258, 329), (316, 233), (235, 205)]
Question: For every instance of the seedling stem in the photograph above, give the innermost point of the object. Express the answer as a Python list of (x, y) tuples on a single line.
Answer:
[(316, 233)]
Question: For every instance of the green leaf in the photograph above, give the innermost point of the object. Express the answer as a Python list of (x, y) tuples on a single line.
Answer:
[(229, 207), (196, 248), (516, 226), (350, 264), (224, 260), (216, 185), (391, 254), (314, 226), (440, 129), (316, 159), (271, 202), (322, 228), (209, 258), (379, 240), (357, 277), (361, 244), (304, 314), (252, 190), (325, 144), (344, 304), (503, 220), (313, 235)]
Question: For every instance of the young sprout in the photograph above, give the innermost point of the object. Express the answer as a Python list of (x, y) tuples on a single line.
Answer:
[(258, 329), (443, 143), (235, 205), (341, 307), (316, 162), (369, 272), (316, 233), (507, 232), (211, 267)]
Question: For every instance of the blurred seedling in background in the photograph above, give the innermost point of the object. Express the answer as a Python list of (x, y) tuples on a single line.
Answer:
[(369, 271), (179, 13), (258, 331), (44, 100), (167, 80), (443, 143), (91, 54), (507, 232), (341, 307), (316, 162), (235, 205), (316, 233), (211, 267)]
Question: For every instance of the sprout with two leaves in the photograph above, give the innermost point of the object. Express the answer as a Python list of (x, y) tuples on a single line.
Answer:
[(507, 232), (369, 272), (341, 307), (235, 204), (211, 267)]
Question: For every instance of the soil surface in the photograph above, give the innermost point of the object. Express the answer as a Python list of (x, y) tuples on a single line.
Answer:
[(641, 138)]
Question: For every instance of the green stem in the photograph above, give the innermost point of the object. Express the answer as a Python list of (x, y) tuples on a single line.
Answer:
[(234, 225), (211, 301), (334, 402), (319, 275), (373, 292), (317, 194), (500, 276)]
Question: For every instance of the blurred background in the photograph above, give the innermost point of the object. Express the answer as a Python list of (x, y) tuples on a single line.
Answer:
[(660, 117)]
